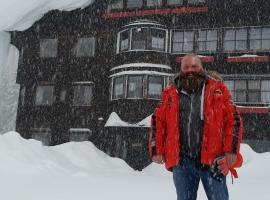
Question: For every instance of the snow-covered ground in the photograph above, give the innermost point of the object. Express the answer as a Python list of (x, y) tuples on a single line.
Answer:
[(30, 171)]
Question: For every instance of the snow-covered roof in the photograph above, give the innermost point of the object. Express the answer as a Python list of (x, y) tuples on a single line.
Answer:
[(141, 72), (20, 15), (142, 65), (115, 120)]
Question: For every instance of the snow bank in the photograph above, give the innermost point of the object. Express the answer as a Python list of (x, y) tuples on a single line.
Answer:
[(115, 120), (31, 171), (18, 155), (15, 15)]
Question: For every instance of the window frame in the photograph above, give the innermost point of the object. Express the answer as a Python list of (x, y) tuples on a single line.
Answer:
[(52, 95), (147, 39), (112, 87), (147, 86), (93, 48), (43, 55), (87, 83)]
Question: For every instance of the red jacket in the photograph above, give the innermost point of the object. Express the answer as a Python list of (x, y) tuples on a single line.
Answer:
[(222, 131)]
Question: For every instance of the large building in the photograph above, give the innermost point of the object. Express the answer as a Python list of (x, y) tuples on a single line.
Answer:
[(97, 73)]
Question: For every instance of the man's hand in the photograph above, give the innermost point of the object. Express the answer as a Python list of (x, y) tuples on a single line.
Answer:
[(227, 162), (159, 159)]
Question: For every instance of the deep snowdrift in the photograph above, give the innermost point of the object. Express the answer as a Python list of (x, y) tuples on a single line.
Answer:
[(15, 15), (30, 171)]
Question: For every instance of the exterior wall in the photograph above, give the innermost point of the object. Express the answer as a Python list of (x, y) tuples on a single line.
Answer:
[(62, 71)]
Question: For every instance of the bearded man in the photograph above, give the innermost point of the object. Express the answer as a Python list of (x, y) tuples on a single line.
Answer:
[(196, 131)]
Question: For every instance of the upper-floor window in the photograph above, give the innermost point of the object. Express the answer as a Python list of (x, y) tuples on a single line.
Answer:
[(184, 41), (249, 91), (137, 86), (154, 3), (85, 47), (175, 2), (118, 87), (82, 94), (155, 86), (115, 5), (48, 48), (142, 38), (134, 3), (259, 38), (44, 95), (196, 1), (207, 40), (235, 39)]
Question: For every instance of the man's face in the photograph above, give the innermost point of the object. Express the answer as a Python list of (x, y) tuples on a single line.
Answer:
[(190, 66)]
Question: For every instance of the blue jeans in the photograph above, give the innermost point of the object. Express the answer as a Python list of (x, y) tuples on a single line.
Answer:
[(186, 177)]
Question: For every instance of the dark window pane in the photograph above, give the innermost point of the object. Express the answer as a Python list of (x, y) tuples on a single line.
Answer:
[(135, 87), (118, 88), (207, 40), (139, 38), (155, 3), (115, 4), (124, 40), (196, 1), (240, 85), (155, 87), (241, 96), (254, 85), (44, 95), (134, 3), (48, 47), (85, 47), (82, 95), (265, 91), (254, 96), (174, 2), (158, 38)]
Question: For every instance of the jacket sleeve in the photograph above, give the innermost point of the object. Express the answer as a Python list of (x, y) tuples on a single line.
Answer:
[(233, 125), (157, 128)]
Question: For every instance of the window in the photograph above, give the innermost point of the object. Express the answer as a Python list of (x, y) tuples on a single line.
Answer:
[(135, 87), (48, 48), (124, 40), (118, 88), (139, 38), (235, 39), (79, 134), (41, 134), (251, 91), (134, 3), (155, 87), (183, 41), (158, 39), (259, 38), (265, 91), (154, 3), (142, 38), (196, 1), (207, 40), (115, 4), (82, 95), (44, 95), (85, 47), (175, 2)]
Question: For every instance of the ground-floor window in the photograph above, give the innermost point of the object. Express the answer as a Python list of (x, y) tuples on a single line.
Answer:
[(44, 95)]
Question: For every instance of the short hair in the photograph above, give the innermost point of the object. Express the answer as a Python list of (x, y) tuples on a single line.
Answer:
[(193, 55)]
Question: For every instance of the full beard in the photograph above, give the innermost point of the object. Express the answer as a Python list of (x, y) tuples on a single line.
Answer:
[(191, 81)]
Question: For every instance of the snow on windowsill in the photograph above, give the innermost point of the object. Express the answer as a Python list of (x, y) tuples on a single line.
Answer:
[(142, 65)]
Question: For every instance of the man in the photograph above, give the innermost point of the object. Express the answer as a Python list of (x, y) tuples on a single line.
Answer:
[(196, 131)]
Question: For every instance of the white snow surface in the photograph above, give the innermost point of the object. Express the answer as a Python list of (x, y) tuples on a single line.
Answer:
[(30, 171), (15, 15), (115, 120)]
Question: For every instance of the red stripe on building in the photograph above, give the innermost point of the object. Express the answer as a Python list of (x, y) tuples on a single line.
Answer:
[(248, 59), (204, 59), (254, 110), (140, 13)]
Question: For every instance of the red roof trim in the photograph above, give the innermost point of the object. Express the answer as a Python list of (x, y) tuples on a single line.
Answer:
[(140, 13), (250, 59), (204, 59), (254, 110)]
